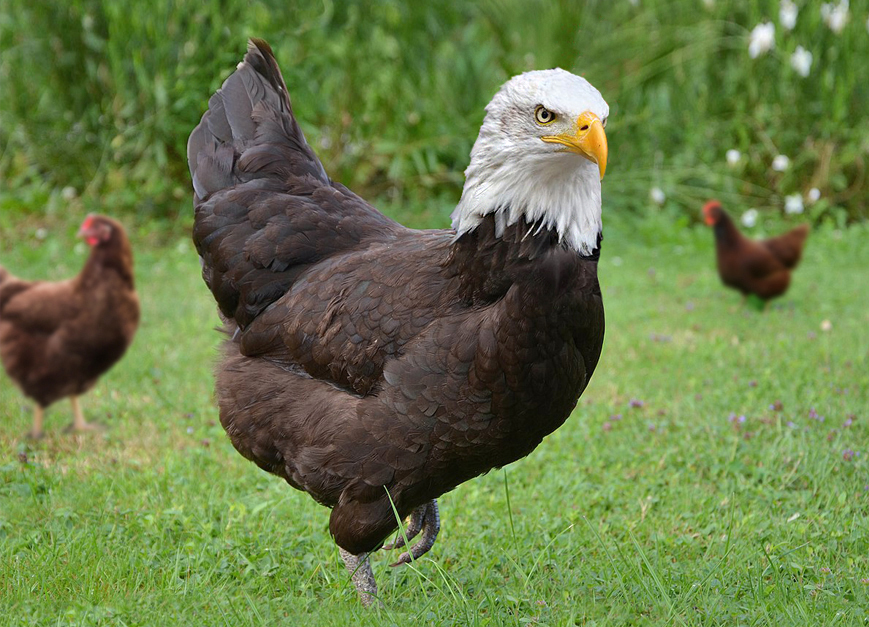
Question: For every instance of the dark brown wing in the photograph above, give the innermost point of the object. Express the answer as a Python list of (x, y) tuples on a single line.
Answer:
[(788, 248), (345, 316), (265, 208)]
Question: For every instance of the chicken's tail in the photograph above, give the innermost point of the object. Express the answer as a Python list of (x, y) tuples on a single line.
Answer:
[(258, 217), (249, 131), (788, 248), (8, 287)]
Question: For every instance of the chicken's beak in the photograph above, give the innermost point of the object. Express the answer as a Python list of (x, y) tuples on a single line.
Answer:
[(588, 140), (86, 227)]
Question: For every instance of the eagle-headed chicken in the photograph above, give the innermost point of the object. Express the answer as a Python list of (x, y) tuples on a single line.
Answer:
[(372, 365)]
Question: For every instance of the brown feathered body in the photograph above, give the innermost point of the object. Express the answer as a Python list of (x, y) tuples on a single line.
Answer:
[(57, 338), (366, 357), (759, 267)]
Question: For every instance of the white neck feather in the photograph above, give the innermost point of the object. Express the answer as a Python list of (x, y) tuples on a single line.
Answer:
[(561, 193)]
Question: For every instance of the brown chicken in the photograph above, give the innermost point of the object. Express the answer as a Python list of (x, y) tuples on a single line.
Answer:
[(377, 367), (759, 267), (56, 339)]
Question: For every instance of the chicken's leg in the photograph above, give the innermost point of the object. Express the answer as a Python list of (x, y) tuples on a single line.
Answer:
[(425, 518), (78, 422), (359, 567), (36, 429)]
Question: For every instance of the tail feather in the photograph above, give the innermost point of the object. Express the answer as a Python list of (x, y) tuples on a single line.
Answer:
[(9, 286), (264, 207), (249, 130), (788, 247)]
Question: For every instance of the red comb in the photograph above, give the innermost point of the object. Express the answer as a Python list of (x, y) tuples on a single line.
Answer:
[(712, 204)]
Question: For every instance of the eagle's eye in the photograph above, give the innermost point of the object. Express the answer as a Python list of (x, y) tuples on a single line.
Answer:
[(544, 116)]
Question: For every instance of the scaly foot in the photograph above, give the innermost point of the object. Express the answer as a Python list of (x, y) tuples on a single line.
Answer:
[(360, 571), (425, 518)]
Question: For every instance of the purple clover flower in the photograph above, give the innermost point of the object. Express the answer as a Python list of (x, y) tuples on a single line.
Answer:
[(848, 454), (815, 416), (635, 402)]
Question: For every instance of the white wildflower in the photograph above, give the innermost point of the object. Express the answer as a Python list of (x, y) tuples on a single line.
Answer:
[(801, 61), (787, 14), (826, 325), (835, 16), (780, 163), (749, 218), (762, 39), (733, 156), (657, 195), (68, 193), (710, 4), (814, 195), (41, 233), (794, 203)]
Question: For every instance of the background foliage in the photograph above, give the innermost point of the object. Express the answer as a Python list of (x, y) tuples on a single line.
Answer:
[(99, 96)]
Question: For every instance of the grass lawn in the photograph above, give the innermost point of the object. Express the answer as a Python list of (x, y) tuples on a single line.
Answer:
[(656, 503)]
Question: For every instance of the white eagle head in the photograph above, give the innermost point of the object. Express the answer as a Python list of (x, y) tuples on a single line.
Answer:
[(540, 156)]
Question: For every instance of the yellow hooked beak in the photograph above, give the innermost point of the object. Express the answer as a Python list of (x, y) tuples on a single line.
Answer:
[(588, 140)]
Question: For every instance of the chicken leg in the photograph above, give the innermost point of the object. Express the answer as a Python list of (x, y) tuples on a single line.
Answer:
[(79, 424), (425, 518), (36, 430), (359, 567)]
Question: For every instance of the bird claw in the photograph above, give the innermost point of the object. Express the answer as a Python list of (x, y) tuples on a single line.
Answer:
[(428, 520), (88, 427), (415, 524)]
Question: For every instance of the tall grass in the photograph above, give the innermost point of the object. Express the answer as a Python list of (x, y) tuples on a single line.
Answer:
[(100, 95)]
